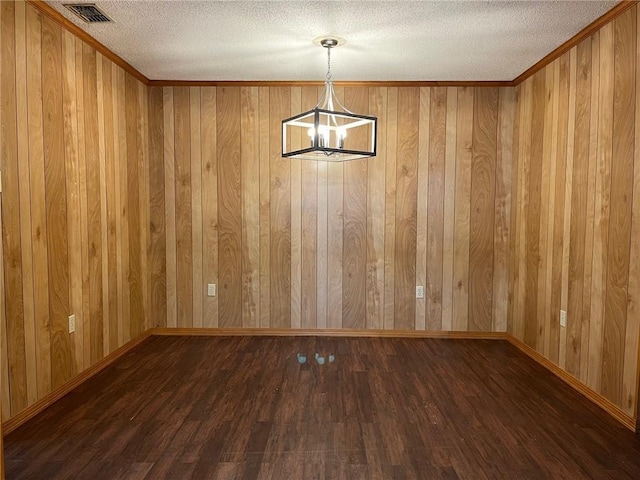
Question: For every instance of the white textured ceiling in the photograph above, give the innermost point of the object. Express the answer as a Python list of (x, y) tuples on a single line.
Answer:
[(386, 40)]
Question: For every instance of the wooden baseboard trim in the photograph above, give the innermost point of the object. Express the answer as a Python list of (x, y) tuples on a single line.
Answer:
[(34, 409), (323, 332), (604, 403)]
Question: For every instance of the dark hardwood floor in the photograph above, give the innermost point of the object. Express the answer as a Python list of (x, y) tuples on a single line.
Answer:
[(245, 408)]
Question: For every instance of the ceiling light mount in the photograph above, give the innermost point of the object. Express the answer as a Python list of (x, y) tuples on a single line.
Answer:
[(327, 125), (329, 42)]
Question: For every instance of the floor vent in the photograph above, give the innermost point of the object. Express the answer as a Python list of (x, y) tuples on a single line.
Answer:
[(88, 12)]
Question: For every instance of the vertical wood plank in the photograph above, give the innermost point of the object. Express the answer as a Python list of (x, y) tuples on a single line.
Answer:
[(631, 374), (265, 207), (601, 209), (280, 214), (295, 140), (464, 144), (503, 199), (578, 208), (11, 214), (183, 212), (250, 174), (38, 212), (533, 325), (354, 273), (102, 154), (406, 203), (422, 204), (435, 208), (449, 209), (157, 250), (309, 301), (229, 207), (170, 204), (62, 352), (196, 206), (568, 196), (136, 299), (481, 229), (208, 125), (618, 248), (25, 207), (543, 330), (93, 197), (559, 237), (390, 208), (82, 174), (589, 219), (73, 191), (322, 257)]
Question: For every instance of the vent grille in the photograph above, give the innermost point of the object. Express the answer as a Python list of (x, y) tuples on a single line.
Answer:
[(88, 12)]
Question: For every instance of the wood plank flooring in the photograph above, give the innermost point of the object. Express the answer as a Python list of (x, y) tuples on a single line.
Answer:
[(245, 408)]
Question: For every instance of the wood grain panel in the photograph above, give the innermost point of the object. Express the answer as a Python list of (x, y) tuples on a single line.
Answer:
[(295, 198), (184, 245), (464, 145), (65, 156), (354, 266), (422, 203), (265, 206), (280, 213), (196, 206), (170, 203), (481, 231), (449, 209), (621, 201), (601, 208), (72, 168), (14, 308), (25, 208), (229, 208), (309, 190), (532, 321), (390, 209), (157, 239), (38, 211), (578, 208), (62, 351), (590, 142), (208, 125), (560, 203), (502, 232), (589, 216), (250, 174), (435, 206), (406, 206)]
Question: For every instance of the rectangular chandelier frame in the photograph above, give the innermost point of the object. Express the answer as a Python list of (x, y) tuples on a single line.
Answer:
[(327, 131)]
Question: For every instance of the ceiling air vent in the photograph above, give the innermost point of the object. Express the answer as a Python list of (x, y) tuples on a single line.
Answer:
[(88, 12)]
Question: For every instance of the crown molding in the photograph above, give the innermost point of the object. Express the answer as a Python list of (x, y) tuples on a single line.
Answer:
[(583, 34), (57, 17)]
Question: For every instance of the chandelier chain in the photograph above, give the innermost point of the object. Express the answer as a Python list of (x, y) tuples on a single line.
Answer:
[(329, 64)]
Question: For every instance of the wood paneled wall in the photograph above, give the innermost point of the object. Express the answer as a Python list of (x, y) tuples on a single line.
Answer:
[(576, 216), (295, 244), (75, 209)]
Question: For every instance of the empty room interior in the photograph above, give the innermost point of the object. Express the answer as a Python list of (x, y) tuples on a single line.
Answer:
[(319, 240)]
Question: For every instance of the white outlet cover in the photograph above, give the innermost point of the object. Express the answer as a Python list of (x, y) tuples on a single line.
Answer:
[(72, 323), (563, 318), (419, 291), (211, 289)]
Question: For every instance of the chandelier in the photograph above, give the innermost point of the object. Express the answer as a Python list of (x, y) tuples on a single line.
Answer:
[(334, 133)]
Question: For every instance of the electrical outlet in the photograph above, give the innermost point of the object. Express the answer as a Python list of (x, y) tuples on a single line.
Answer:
[(563, 318), (72, 323), (211, 289), (419, 291)]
